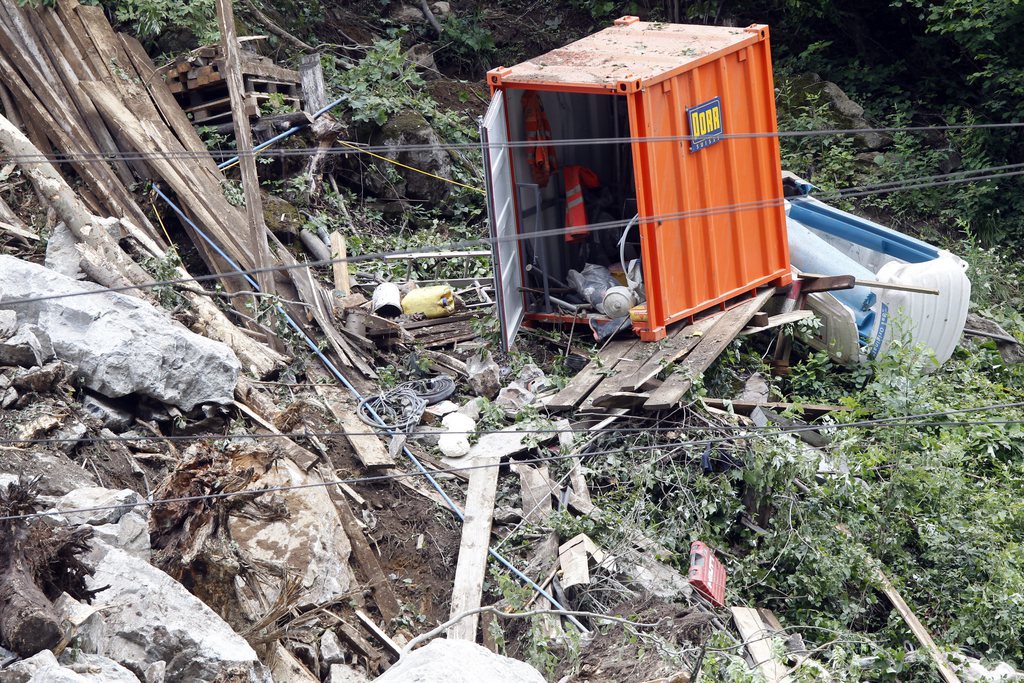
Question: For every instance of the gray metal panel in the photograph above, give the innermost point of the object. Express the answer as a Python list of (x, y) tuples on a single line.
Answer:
[(501, 212)]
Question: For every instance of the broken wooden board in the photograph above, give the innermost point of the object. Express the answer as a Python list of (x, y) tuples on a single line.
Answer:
[(725, 329), (574, 559), (620, 377), (778, 321), (757, 639), (505, 442), (367, 447), (809, 410), (589, 377), (471, 568), (537, 490), (678, 344)]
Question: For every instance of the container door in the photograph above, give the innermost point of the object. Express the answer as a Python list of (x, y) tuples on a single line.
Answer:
[(508, 274)]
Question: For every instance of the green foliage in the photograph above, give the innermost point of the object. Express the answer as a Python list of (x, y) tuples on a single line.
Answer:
[(381, 84), (165, 268), (472, 42), (150, 18)]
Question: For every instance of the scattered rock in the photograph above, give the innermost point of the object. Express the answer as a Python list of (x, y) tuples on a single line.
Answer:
[(429, 436), (121, 345), (331, 651), (341, 673), (281, 215), (286, 667), (407, 14), (23, 348), (474, 407), (484, 374), (455, 442), (435, 663), (442, 10), (96, 497), (846, 113), (113, 416), (8, 324), (130, 534), (57, 474), (45, 378), (512, 440), (96, 668), (514, 398), (410, 129), (151, 618), (433, 414), (73, 667), (422, 55), (62, 253), (86, 620), (755, 389)]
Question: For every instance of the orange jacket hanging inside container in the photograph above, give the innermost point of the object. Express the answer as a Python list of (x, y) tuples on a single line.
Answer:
[(538, 131), (577, 178)]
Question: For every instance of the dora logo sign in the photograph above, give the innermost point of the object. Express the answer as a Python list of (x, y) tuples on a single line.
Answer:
[(705, 124)]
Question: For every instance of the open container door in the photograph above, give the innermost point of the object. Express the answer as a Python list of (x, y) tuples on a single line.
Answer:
[(501, 212)]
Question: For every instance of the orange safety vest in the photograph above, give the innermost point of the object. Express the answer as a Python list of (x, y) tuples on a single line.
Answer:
[(540, 156), (577, 178)]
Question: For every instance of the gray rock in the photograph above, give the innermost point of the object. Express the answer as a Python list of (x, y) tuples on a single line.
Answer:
[(108, 412), (23, 348), (755, 389), (331, 651), (340, 673), (151, 618), (87, 623), (121, 345), (514, 398), (422, 55), (474, 407), (407, 14), (96, 497), (484, 374), (458, 661), (130, 534), (441, 9), (96, 668), (62, 254), (8, 324), (57, 473), (9, 397), (409, 128)]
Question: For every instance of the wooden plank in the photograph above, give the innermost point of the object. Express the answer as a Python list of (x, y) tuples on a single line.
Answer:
[(476, 539), (916, 627), (372, 574), (757, 640), (342, 282), (259, 247), (621, 376), (747, 407), (672, 349), (704, 354), (367, 447), (537, 489), (166, 105), (378, 632), (778, 321), (311, 73), (589, 377)]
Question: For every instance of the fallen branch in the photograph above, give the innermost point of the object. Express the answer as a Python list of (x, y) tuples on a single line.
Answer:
[(275, 29)]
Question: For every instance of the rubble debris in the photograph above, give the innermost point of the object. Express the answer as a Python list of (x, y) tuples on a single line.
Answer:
[(109, 412), (8, 324), (25, 348), (73, 667), (120, 345), (574, 559), (433, 663), (484, 374), (95, 497)]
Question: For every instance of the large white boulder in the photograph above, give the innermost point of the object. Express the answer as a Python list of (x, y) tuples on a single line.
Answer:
[(458, 661), (121, 345), (149, 618)]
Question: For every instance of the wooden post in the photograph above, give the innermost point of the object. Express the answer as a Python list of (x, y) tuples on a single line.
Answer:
[(339, 251), (243, 142)]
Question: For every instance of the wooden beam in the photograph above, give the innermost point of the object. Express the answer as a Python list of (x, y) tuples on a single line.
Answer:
[(367, 447), (725, 329), (243, 142), (589, 377), (476, 538), (342, 282), (757, 640), (680, 343), (314, 93)]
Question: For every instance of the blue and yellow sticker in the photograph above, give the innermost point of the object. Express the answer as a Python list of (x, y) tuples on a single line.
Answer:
[(705, 124)]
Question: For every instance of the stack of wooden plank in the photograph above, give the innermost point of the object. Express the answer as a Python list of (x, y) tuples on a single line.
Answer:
[(625, 373), (197, 81), (80, 88)]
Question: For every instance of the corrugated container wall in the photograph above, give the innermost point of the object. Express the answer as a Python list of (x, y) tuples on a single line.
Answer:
[(705, 160)]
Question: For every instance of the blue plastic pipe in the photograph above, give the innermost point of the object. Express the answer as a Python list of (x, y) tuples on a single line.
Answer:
[(355, 392)]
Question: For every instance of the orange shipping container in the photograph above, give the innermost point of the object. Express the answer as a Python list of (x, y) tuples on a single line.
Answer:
[(701, 198)]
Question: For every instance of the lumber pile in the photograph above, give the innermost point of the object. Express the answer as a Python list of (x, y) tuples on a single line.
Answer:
[(197, 80), (78, 88)]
